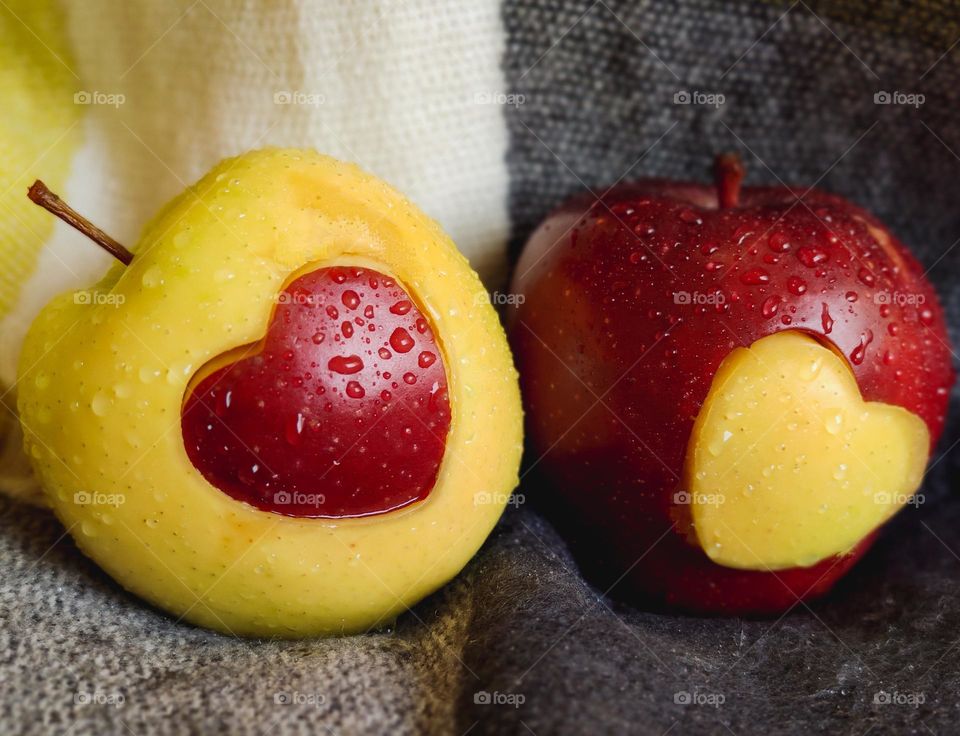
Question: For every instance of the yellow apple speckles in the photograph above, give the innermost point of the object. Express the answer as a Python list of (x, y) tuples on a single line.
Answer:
[(787, 465), (103, 376)]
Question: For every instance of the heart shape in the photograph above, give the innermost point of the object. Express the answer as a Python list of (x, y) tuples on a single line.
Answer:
[(787, 464), (341, 410)]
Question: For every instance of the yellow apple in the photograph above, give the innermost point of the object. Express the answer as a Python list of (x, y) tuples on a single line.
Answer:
[(106, 374)]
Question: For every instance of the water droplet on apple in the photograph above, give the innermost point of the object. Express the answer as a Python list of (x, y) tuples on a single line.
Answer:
[(690, 217), (401, 307), (294, 428), (834, 423), (770, 306), (826, 321), (355, 390), (177, 373), (778, 242), (859, 352), (100, 404), (350, 299), (811, 256), (152, 277), (409, 378), (347, 329), (401, 341), (755, 277), (345, 365), (797, 285), (426, 359)]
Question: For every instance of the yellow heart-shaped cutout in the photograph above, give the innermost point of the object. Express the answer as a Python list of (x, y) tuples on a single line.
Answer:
[(787, 464)]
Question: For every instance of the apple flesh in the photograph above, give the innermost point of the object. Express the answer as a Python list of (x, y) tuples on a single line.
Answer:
[(340, 411), (632, 307)]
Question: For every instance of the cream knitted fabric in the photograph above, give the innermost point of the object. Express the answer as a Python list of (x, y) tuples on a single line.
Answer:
[(406, 89)]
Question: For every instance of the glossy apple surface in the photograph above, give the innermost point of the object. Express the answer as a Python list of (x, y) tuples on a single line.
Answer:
[(340, 411), (143, 420), (631, 307)]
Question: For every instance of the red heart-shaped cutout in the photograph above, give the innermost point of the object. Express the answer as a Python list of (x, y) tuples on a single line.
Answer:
[(341, 410)]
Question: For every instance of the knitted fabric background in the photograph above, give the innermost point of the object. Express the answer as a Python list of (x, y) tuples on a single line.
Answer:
[(520, 642)]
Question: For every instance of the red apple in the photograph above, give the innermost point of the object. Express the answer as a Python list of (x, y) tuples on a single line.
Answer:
[(728, 392)]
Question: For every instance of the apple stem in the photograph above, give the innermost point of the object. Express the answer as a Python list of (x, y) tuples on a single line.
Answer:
[(39, 194), (728, 172)]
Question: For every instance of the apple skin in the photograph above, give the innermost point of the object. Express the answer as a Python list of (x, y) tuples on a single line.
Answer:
[(102, 386), (614, 370), (342, 410)]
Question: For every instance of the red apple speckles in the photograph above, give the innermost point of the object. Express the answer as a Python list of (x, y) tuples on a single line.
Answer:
[(312, 421)]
